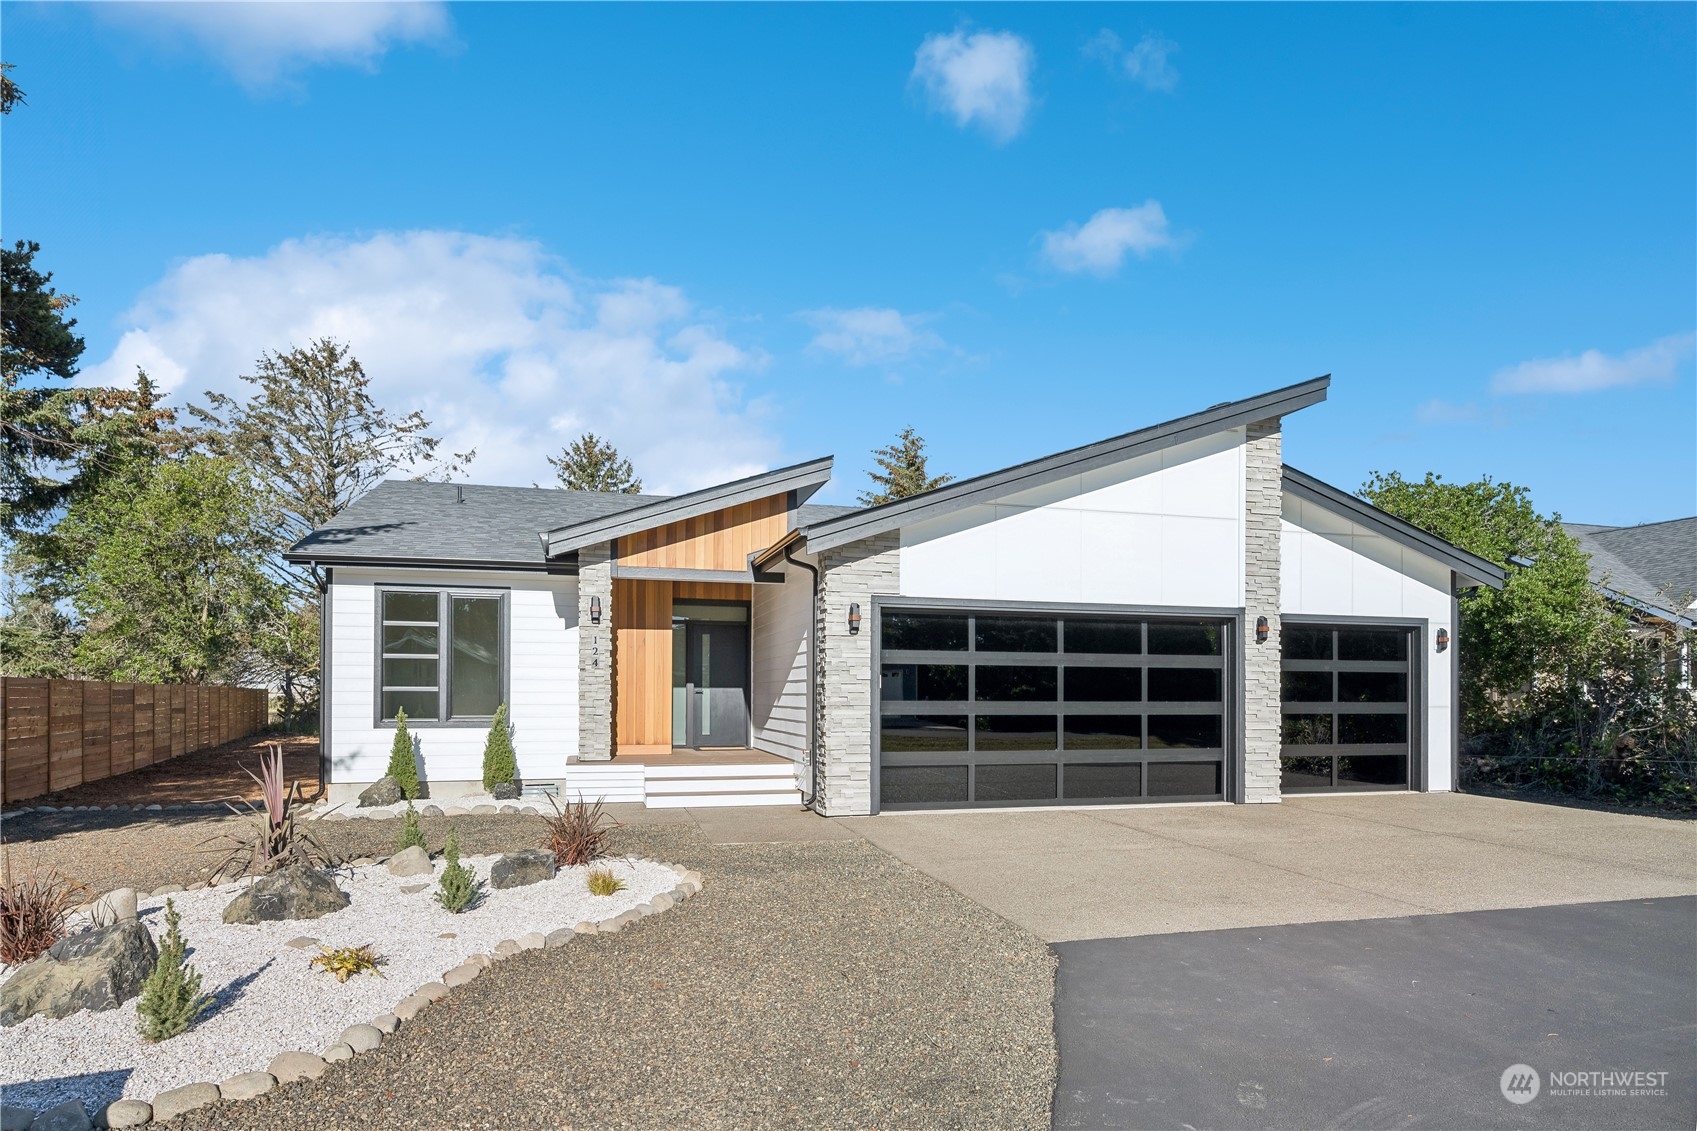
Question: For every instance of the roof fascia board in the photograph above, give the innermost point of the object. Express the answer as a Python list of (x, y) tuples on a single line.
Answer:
[(1472, 567), (970, 492), (772, 553), (1683, 620), (801, 478), (673, 573), (309, 558)]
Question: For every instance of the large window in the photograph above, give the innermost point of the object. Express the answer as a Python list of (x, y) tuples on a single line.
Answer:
[(441, 654), (981, 708)]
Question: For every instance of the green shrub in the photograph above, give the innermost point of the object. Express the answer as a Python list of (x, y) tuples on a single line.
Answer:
[(171, 997), (603, 882), (451, 846), (402, 767), (411, 833), (500, 764), (346, 961), (459, 887)]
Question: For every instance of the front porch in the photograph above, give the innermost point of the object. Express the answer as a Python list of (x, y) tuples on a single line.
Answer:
[(663, 777)]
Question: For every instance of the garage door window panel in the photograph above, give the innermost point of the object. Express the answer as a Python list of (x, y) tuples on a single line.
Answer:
[(1363, 674)]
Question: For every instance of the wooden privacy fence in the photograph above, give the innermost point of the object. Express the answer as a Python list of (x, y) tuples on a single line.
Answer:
[(63, 732)]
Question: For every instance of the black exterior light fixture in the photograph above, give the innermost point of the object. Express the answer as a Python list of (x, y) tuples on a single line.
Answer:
[(595, 610), (1261, 630), (854, 619), (1443, 639)]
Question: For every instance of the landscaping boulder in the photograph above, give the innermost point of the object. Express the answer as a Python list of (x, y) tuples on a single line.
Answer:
[(16, 1118), (288, 1067), (68, 1116), (410, 861), (170, 1104), (98, 969), (128, 1113), (114, 907), (383, 791), (518, 869), (295, 892), (505, 791)]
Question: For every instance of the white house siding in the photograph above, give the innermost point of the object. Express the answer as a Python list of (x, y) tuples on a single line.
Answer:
[(541, 679), (781, 618), (1334, 567), (1165, 528)]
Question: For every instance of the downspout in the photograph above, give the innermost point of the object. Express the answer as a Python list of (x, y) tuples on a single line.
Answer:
[(812, 685), (322, 580)]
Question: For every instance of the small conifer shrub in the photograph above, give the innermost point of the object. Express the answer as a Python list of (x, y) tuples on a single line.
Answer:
[(500, 763), (171, 997), (411, 833), (451, 846), (459, 888), (402, 767), (603, 882)]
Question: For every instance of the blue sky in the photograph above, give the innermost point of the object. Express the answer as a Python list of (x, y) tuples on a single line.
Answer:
[(730, 237)]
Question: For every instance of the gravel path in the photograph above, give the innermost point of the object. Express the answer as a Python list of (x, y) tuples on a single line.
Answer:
[(205, 775), (809, 985)]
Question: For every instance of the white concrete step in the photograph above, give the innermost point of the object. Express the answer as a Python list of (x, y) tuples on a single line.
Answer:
[(702, 800), (720, 785), (748, 770)]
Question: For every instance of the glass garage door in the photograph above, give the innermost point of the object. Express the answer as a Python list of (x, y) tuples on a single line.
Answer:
[(1346, 708), (1000, 709)]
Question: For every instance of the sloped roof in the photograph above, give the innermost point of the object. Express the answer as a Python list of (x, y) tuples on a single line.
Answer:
[(1654, 564)]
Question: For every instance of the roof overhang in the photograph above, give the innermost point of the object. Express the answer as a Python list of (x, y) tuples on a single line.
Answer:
[(308, 558), (802, 478), (1470, 568), (985, 488)]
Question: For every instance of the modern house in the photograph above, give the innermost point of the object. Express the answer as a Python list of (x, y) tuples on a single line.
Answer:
[(1167, 615)]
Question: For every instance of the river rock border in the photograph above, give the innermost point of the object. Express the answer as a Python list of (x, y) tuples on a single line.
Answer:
[(291, 1066)]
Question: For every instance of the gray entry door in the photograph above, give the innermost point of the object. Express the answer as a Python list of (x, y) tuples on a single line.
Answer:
[(716, 682)]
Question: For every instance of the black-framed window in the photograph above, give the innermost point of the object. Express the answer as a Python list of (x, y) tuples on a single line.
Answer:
[(441, 655), (1007, 707)]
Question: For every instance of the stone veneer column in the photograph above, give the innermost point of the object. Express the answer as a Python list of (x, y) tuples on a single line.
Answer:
[(595, 654), (1263, 510), (845, 666)]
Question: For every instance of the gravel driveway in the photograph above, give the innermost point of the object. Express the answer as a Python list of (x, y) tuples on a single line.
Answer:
[(810, 985)]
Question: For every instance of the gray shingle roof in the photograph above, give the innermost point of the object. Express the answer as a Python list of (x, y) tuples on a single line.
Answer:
[(404, 520), (1655, 563)]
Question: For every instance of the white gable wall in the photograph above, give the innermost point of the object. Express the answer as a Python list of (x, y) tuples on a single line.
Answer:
[(781, 622), (541, 678), (1334, 567), (1165, 528)]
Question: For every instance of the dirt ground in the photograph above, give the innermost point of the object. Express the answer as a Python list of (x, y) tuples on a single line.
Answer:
[(216, 774)]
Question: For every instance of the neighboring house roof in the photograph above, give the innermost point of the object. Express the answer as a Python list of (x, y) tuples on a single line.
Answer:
[(1653, 566), (802, 478), (1471, 568), (950, 497), (455, 524)]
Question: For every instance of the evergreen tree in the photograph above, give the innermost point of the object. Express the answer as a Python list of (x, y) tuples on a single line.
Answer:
[(590, 463), (500, 763), (451, 846), (171, 997), (902, 471), (402, 766), (411, 834)]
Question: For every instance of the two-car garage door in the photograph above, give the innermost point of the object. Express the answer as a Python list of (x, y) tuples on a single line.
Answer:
[(1001, 709)]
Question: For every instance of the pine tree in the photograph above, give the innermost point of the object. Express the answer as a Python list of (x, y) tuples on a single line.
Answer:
[(458, 887), (451, 846), (171, 997), (590, 463), (411, 834), (903, 471), (500, 763), (402, 767)]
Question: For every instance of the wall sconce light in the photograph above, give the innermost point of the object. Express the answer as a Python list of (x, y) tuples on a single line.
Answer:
[(1443, 639), (595, 610), (1261, 630), (854, 619)]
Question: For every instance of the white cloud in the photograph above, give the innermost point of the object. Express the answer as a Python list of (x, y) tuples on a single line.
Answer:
[(501, 347), (1594, 370), (261, 43), (1149, 62), (981, 78), (1444, 412), (870, 335), (1101, 244)]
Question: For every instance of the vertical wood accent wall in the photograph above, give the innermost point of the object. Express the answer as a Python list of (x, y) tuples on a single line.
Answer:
[(720, 540), (642, 653), (59, 733)]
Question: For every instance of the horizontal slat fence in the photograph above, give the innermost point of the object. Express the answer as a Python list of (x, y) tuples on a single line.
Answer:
[(58, 733)]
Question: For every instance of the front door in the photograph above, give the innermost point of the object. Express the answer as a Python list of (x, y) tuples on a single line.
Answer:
[(715, 692)]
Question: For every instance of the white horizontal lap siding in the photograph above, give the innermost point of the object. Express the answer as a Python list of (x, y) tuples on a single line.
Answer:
[(541, 677), (1164, 528), (1334, 567), (781, 618)]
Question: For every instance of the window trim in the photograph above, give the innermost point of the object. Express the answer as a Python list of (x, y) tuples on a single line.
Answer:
[(445, 595)]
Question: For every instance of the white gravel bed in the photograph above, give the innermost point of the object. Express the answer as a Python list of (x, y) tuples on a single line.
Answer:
[(452, 806), (269, 997)]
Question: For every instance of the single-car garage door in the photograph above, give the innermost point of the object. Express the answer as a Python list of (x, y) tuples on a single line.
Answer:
[(1347, 692), (979, 709)]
